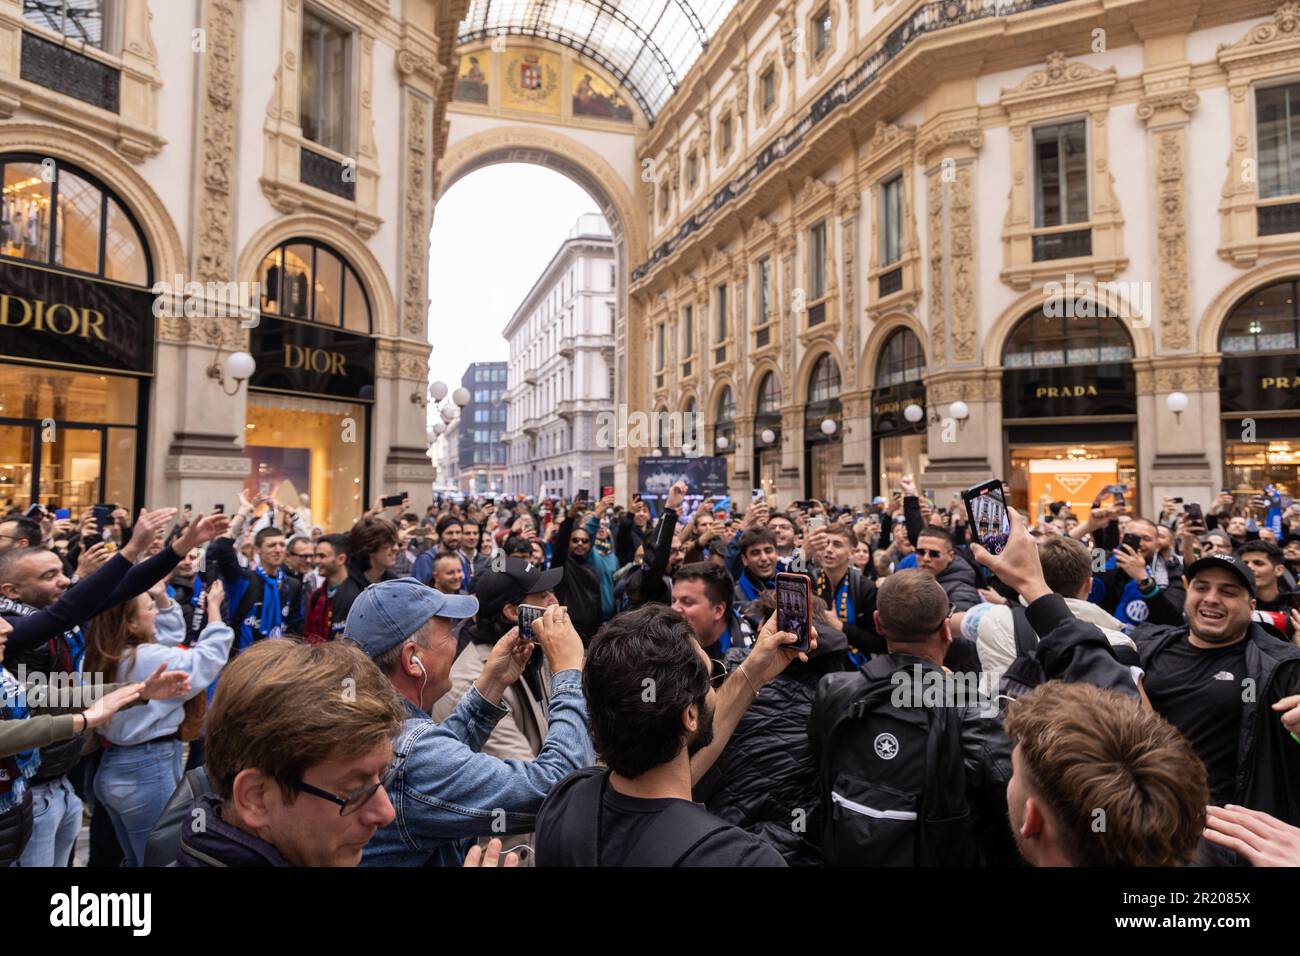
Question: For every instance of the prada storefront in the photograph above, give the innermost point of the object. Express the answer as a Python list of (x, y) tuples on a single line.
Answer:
[(76, 340), (310, 398), (1259, 391), (1069, 409)]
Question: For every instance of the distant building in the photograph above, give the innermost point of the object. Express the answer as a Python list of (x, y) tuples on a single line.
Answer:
[(481, 454), (562, 369)]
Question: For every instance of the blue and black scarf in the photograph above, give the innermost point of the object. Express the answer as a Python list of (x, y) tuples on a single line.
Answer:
[(15, 771)]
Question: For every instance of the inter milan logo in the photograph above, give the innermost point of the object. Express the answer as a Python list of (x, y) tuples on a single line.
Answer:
[(886, 746), (1137, 611)]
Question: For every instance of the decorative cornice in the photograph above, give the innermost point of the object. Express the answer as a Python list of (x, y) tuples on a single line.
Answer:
[(1284, 27), (1059, 73), (1184, 100)]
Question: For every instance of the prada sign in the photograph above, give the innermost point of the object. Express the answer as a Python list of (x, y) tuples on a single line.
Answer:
[(1260, 383), (1071, 391), (312, 359), (887, 406), (53, 317)]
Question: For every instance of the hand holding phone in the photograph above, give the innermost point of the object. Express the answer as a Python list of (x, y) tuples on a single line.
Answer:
[(527, 614), (793, 607), (986, 507)]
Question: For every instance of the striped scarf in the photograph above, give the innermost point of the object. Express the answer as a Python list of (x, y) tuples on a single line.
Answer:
[(15, 771)]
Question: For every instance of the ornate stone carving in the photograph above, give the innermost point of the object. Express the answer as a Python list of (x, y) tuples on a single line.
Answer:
[(215, 218), (1185, 100), (886, 134), (1059, 72), (938, 356), (415, 242), (971, 137), (961, 252), (1171, 232), (849, 243), (218, 333), (1285, 26)]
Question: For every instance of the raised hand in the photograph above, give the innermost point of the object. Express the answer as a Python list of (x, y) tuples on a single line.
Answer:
[(148, 526)]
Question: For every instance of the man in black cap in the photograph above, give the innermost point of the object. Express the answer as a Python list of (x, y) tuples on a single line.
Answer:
[(1232, 688), (500, 593)]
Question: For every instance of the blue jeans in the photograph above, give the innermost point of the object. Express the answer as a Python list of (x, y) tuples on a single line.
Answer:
[(56, 821), (134, 784)]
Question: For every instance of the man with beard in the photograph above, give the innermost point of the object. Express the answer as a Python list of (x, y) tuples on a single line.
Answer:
[(1232, 688), (653, 710)]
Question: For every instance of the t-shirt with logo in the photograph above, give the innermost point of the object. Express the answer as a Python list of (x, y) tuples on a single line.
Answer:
[(1200, 691)]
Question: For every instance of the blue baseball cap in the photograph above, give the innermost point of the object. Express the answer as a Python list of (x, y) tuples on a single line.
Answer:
[(386, 614)]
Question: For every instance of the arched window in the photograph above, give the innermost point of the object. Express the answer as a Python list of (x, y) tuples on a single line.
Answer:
[(306, 279), (1047, 341), (769, 394), (726, 406), (824, 383), (901, 360), (1267, 320), (93, 232)]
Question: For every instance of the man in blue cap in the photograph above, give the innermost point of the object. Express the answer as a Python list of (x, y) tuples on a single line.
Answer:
[(447, 793)]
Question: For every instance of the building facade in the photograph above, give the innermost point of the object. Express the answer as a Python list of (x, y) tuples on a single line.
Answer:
[(183, 182), (1041, 240), (561, 370), (481, 452)]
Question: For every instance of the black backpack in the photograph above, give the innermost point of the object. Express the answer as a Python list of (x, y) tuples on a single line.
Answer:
[(672, 837), (1024, 673), (893, 778)]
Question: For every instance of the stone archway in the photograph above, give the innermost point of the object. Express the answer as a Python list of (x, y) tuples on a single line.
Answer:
[(591, 171)]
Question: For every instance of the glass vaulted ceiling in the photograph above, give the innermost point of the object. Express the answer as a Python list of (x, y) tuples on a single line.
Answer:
[(647, 44)]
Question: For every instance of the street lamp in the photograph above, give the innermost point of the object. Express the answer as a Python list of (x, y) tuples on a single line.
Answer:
[(239, 366), (768, 436), (1177, 403)]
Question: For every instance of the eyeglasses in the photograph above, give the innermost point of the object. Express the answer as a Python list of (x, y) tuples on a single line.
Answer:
[(717, 672), (354, 801), (929, 553), (580, 541)]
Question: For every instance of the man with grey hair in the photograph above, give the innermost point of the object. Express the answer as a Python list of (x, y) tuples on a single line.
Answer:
[(447, 792), (298, 554)]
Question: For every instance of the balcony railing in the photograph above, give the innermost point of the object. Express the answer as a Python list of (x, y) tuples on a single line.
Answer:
[(927, 18), (1063, 245), (64, 70), (1276, 220)]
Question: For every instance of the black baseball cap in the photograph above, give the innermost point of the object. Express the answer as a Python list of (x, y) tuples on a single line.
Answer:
[(1229, 561), (517, 579)]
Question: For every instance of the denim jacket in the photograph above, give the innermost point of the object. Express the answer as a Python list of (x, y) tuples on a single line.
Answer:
[(447, 793)]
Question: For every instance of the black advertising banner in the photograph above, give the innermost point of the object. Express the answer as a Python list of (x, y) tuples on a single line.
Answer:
[(887, 406), (1260, 383), (306, 358), (1069, 391), (54, 317), (706, 475)]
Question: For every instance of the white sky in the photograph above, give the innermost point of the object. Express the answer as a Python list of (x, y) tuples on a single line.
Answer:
[(493, 233)]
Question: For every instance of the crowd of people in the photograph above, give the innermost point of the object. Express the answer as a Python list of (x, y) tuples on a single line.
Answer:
[(583, 683)]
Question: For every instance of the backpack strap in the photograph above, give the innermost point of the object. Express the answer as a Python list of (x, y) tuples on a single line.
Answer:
[(1026, 636), (674, 834)]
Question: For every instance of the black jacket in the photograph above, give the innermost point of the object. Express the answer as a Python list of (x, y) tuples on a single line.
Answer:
[(1069, 649), (960, 583), (861, 631), (1268, 759), (648, 584), (293, 602), (208, 840), (765, 779), (350, 590), (627, 538), (579, 589)]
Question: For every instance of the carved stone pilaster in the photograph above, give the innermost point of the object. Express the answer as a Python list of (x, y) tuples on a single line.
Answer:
[(214, 222), (418, 168)]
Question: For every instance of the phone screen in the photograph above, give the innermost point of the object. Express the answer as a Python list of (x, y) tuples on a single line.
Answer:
[(815, 522), (1193, 511), (987, 509), (392, 501), (793, 602), (527, 614), (63, 513), (103, 516)]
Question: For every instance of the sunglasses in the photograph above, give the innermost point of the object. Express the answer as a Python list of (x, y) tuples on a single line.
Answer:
[(352, 802), (717, 672), (929, 552)]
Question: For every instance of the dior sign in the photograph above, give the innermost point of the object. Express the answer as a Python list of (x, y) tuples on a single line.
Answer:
[(53, 317), (313, 359)]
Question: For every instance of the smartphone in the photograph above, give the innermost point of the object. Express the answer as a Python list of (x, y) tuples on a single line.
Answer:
[(88, 541), (584, 494), (218, 509), (1177, 501), (758, 496), (36, 511), (793, 606), (987, 508), (63, 513), (815, 522), (1133, 541), (103, 516), (392, 501), (1193, 511), (527, 614)]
